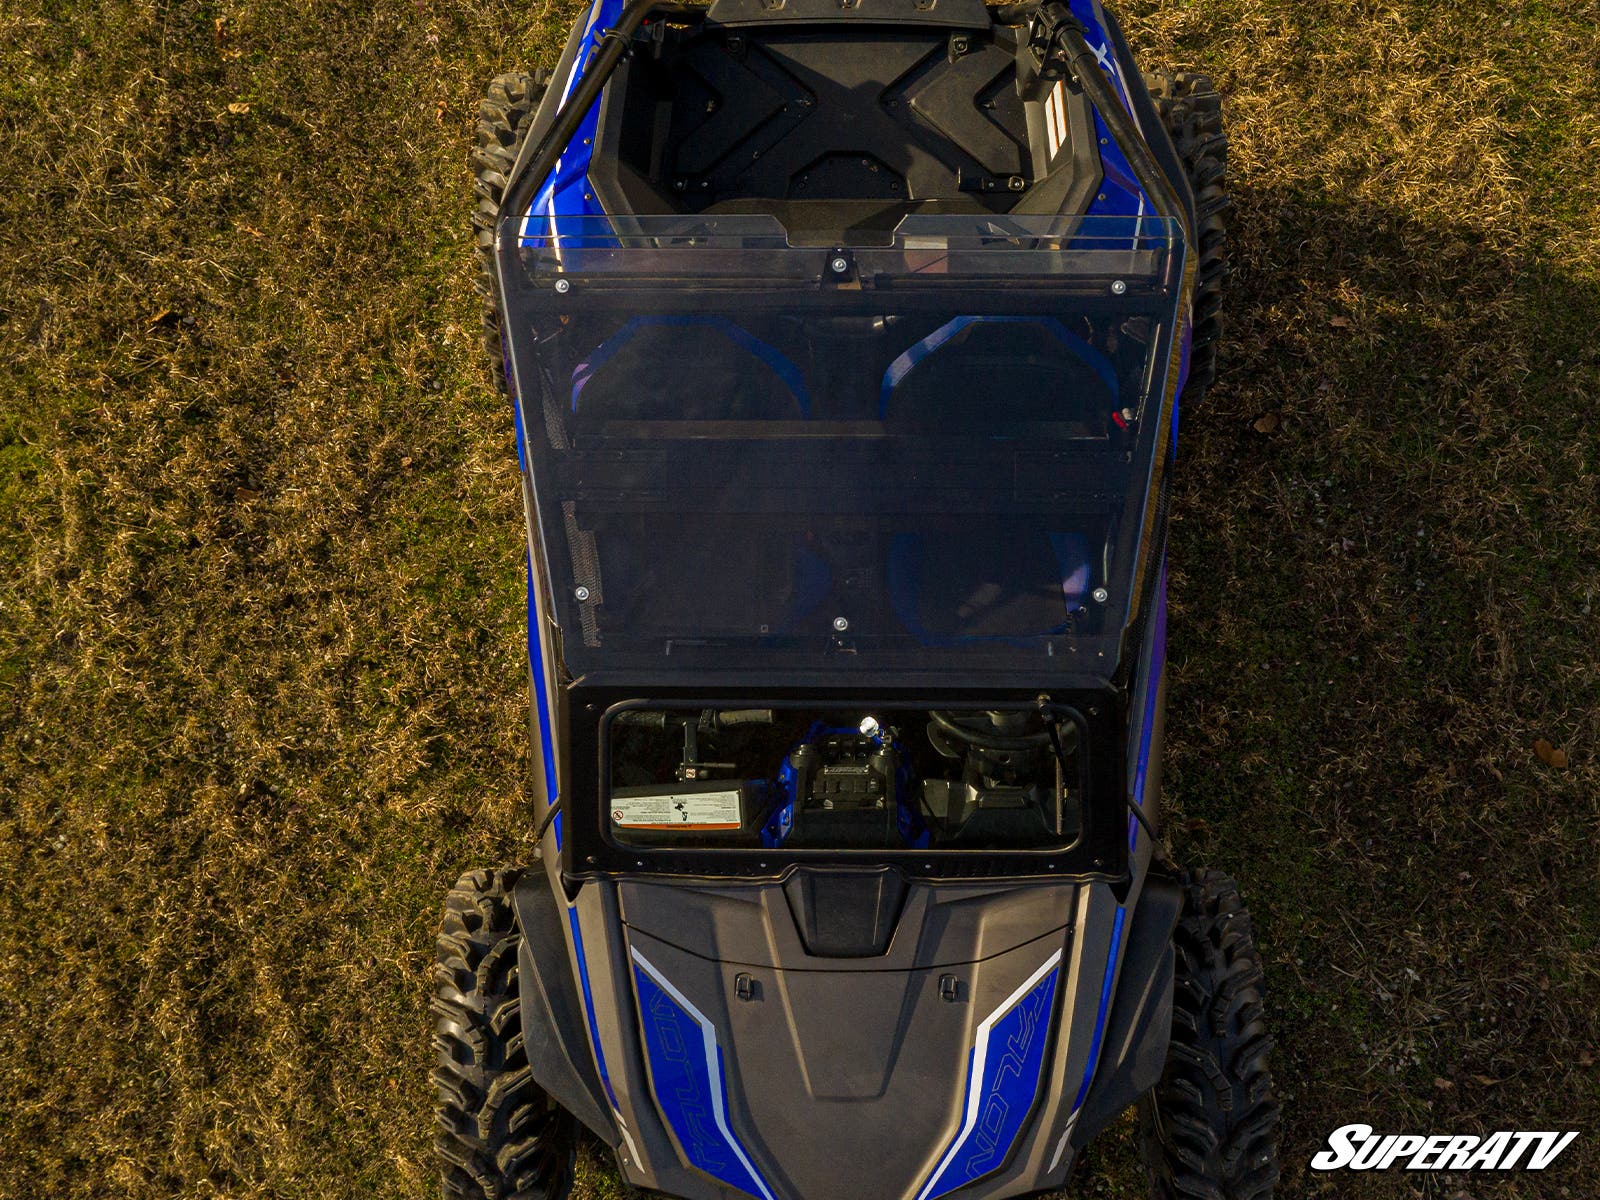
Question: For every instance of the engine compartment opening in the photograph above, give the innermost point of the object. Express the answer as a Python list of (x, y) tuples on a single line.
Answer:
[(848, 778)]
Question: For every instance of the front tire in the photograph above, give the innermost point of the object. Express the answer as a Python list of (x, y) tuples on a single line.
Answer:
[(1209, 1129), (1191, 109), (505, 115), (499, 1136)]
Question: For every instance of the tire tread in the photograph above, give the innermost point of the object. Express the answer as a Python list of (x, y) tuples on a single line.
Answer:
[(1191, 109), (504, 117), (497, 1134), (1209, 1128)]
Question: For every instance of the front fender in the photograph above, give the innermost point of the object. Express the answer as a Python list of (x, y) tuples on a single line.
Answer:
[(553, 1025)]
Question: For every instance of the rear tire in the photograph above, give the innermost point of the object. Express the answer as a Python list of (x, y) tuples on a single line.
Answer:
[(499, 1136), (504, 116), (1209, 1129), (1191, 109)]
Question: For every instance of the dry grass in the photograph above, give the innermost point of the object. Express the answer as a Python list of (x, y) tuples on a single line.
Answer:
[(261, 676)]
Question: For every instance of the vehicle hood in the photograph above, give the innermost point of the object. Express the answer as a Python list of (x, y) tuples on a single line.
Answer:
[(845, 1035)]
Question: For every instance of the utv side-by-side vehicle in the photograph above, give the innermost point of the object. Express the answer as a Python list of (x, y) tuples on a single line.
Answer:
[(846, 341)]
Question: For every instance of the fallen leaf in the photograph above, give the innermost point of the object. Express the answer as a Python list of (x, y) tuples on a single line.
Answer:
[(1585, 1059), (251, 230), (1444, 1085), (1485, 1081), (1268, 422), (159, 317), (1549, 755), (238, 108), (1340, 322), (245, 493), (405, 461)]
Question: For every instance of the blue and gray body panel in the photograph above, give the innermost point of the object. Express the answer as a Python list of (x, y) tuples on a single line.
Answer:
[(970, 1059)]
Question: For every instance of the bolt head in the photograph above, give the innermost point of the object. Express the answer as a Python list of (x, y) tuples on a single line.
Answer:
[(1118, 287), (1101, 595), (840, 624), (840, 265), (582, 593), (563, 286)]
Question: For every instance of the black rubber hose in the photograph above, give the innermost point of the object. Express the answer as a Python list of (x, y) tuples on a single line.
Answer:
[(550, 815), (728, 718), (647, 718)]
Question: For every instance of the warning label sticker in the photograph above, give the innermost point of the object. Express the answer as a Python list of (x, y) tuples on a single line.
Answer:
[(689, 810)]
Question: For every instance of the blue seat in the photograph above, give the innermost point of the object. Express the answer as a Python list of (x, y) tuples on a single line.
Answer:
[(983, 374)]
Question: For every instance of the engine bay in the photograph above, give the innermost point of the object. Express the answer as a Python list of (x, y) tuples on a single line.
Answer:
[(844, 779)]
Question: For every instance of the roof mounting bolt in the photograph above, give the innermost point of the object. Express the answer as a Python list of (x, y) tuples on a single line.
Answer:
[(840, 624), (582, 594), (960, 44), (1118, 287), (563, 286), (840, 265), (1016, 183), (1100, 595)]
